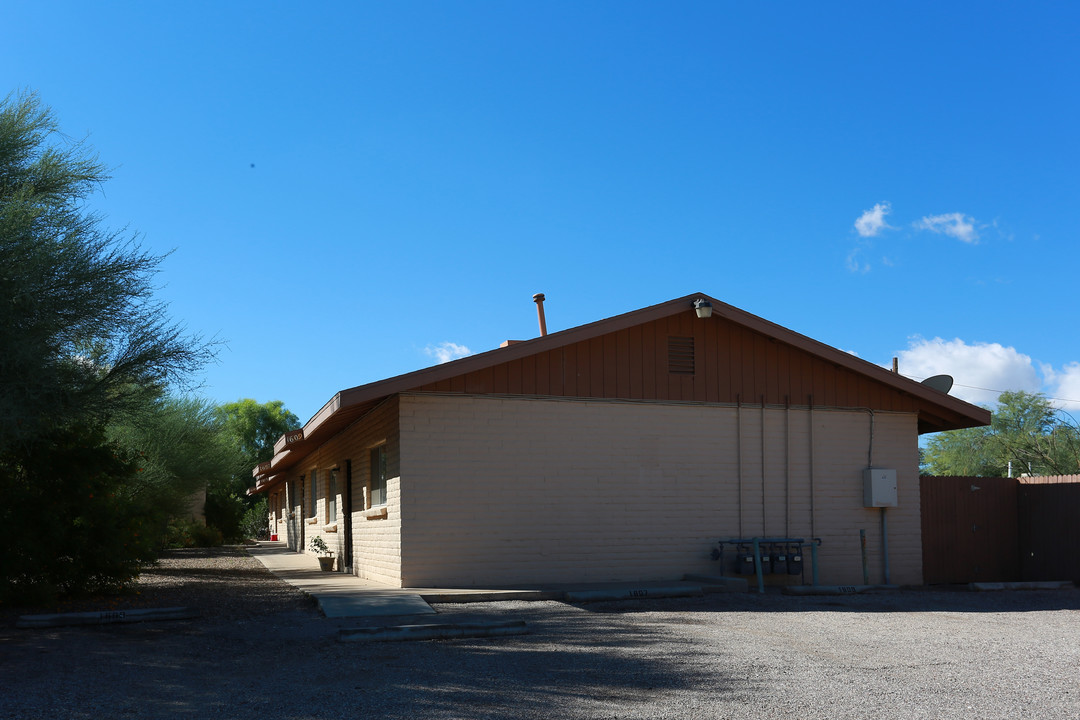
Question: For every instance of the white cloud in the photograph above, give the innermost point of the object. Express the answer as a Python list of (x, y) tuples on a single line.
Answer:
[(854, 262), (447, 351), (1064, 385), (980, 365), (872, 221), (957, 225)]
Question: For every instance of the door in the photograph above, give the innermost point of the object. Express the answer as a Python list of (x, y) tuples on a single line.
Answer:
[(969, 529), (347, 518)]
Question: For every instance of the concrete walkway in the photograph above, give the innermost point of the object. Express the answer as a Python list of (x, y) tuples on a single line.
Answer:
[(338, 594), (342, 595)]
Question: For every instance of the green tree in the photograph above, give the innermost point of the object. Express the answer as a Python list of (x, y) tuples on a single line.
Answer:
[(252, 428), (255, 427), (182, 452), (82, 334), (1026, 430), (85, 344)]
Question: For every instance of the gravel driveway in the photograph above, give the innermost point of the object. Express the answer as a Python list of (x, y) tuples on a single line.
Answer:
[(261, 650)]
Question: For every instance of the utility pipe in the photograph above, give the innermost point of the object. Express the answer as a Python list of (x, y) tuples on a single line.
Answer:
[(885, 543), (813, 528), (865, 567), (738, 454), (538, 298), (787, 465), (764, 529), (870, 452), (758, 568)]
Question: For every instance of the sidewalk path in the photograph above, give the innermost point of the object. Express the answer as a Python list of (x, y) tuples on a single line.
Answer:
[(342, 595), (339, 595)]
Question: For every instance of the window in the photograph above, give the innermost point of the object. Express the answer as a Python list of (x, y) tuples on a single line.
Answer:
[(378, 476), (313, 482), (331, 498)]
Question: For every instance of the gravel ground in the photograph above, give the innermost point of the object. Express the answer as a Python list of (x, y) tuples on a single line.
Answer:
[(261, 650)]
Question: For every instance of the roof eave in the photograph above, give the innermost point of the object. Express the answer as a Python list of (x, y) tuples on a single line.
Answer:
[(962, 411)]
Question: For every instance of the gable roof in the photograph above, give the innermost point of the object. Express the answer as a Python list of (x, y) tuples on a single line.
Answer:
[(737, 357)]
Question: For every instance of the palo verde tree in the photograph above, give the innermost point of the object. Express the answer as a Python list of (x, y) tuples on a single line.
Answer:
[(83, 342), (1026, 432), (182, 453)]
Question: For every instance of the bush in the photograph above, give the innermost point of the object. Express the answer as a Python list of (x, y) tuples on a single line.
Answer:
[(254, 523), (69, 524), (190, 533)]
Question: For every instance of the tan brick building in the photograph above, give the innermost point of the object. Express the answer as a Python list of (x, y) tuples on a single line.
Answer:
[(616, 451)]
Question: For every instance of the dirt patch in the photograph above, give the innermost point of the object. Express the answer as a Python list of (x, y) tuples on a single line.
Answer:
[(222, 582)]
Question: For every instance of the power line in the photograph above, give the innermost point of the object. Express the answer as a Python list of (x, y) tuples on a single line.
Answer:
[(998, 392)]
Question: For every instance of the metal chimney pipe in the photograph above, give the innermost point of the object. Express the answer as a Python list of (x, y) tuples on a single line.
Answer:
[(538, 298)]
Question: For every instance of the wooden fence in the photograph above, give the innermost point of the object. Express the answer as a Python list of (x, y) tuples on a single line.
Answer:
[(977, 529)]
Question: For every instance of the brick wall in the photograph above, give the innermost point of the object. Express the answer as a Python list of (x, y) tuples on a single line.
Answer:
[(502, 491), (376, 533)]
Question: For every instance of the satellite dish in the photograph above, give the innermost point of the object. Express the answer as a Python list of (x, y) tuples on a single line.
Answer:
[(941, 383)]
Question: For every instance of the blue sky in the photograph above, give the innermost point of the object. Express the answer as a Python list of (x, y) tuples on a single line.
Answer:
[(346, 188)]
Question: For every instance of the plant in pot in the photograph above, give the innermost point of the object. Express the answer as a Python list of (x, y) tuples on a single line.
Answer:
[(326, 555)]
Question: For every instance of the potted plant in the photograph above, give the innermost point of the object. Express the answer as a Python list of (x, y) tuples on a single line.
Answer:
[(326, 555)]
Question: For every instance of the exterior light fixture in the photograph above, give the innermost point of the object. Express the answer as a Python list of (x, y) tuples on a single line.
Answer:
[(703, 308)]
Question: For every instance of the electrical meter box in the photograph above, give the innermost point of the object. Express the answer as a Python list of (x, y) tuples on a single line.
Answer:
[(879, 487)]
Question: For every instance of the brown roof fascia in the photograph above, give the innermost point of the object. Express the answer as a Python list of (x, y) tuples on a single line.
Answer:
[(953, 405), (379, 389), (265, 482), (514, 351), (409, 381)]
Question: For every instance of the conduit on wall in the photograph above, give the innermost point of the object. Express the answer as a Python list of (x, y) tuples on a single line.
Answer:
[(870, 452), (764, 528), (738, 453), (813, 527), (884, 517), (787, 466)]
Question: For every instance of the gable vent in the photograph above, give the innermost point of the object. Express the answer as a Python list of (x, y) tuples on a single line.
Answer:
[(680, 352)]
